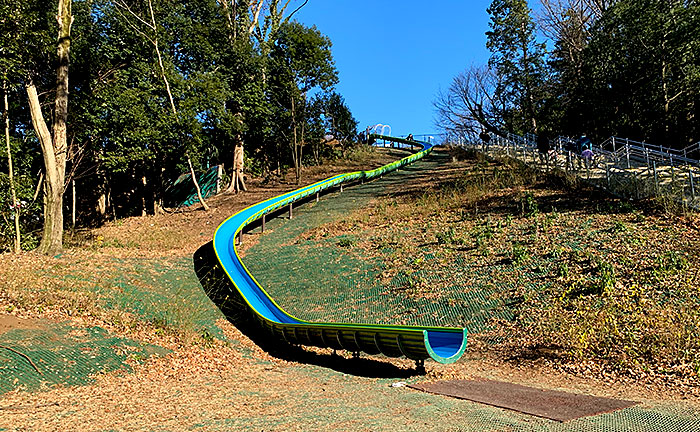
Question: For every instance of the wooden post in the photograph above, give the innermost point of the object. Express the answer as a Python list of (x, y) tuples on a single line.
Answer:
[(341, 187), (318, 196), (291, 215)]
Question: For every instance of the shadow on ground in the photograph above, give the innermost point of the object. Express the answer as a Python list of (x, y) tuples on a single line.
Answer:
[(219, 288)]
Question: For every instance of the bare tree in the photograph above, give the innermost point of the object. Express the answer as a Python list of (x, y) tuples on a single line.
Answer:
[(264, 27), (469, 105), (568, 22)]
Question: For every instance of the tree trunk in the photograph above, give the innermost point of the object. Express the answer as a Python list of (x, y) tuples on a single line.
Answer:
[(157, 187), (52, 237), (232, 184), (38, 186), (301, 148), (316, 151), (54, 149), (101, 204), (295, 155), (237, 183), (196, 185), (17, 244), (144, 184), (219, 173)]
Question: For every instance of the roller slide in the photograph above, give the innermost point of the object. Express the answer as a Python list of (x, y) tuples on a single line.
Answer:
[(444, 345)]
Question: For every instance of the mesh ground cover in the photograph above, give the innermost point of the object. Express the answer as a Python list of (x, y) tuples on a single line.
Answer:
[(352, 403), (65, 355), (162, 291), (322, 280), (298, 272)]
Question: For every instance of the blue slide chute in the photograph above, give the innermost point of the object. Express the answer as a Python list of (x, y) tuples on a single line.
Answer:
[(442, 344)]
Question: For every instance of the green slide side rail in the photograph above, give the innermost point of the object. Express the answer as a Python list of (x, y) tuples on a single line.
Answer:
[(442, 344)]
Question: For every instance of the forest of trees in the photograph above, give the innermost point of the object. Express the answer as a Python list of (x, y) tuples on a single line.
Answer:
[(107, 101), (626, 68)]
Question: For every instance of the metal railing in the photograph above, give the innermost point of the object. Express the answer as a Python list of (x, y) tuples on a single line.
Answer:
[(624, 167)]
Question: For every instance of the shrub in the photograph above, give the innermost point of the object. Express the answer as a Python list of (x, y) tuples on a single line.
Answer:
[(528, 205)]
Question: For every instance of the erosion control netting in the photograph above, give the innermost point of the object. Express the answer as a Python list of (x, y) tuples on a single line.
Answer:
[(163, 291), (320, 279), (299, 270), (182, 192), (64, 355)]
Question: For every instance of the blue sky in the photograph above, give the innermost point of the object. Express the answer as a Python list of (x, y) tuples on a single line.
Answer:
[(394, 56)]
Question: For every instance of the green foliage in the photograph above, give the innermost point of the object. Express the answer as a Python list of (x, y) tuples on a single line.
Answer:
[(619, 227), (528, 205), (519, 253), (623, 68), (637, 74), (346, 242), (305, 54), (563, 270), (29, 213), (336, 116), (671, 262), (518, 60), (606, 275), (449, 237), (227, 86)]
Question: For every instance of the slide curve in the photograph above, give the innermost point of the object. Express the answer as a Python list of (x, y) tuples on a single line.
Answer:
[(442, 344)]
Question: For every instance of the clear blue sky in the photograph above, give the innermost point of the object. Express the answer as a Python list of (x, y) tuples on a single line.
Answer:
[(394, 56)]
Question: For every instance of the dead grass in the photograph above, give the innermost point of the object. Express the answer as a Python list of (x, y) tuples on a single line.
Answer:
[(63, 287), (200, 386), (619, 292)]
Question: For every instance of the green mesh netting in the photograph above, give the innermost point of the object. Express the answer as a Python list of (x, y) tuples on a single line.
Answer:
[(321, 280), (182, 192), (163, 291), (297, 272), (65, 355)]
